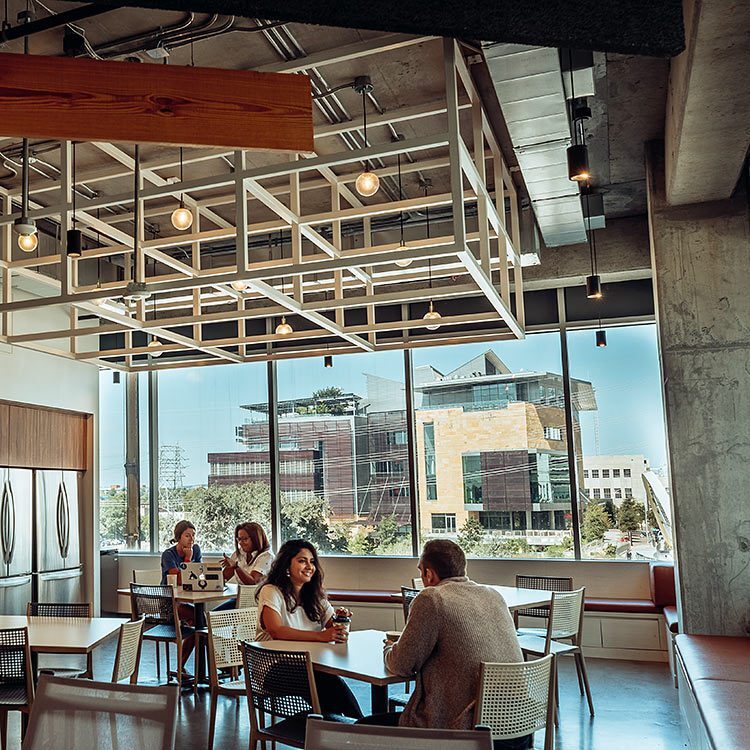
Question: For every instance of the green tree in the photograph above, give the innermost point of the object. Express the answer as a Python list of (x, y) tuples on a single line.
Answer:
[(361, 543), (112, 515), (386, 533), (629, 517), (595, 522), (470, 535), (309, 517), (611, 511)]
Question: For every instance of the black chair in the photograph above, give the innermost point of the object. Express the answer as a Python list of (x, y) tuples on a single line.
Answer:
[(408, 596), (16, 679), (61, 666), (541, 583), (161, 612)]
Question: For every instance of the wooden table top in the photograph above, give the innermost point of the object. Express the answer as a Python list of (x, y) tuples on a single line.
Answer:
[(64, 635), (360, 658), (198, 597)]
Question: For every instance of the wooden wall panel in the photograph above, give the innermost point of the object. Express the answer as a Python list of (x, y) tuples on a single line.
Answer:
[(4, 447), (95, 100)]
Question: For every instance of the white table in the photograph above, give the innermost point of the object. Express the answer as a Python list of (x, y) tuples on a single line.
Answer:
[(64, 635), (360, 658), (518, 598)]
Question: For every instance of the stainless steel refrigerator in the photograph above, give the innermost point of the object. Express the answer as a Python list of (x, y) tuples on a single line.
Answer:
[(16, 540), (58, 554)]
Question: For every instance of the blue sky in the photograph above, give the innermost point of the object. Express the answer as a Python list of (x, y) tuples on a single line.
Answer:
[(200, 408)]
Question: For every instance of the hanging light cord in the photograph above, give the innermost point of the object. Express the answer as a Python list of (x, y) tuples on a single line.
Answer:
[(572, 97), (25, 141), (73, 183), (591, 238), (400, 197), (427, 226), (136, 206)]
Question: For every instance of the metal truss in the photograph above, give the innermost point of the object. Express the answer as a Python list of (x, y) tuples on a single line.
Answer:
[(341, 298)]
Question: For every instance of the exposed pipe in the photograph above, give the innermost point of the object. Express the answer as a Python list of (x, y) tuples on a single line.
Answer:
[(55, 21), (179, 26)]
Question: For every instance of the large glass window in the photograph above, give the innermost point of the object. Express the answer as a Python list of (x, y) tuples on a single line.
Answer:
[(491, 436), (213, 456), (623, 439), (112, 482), (349, 422)]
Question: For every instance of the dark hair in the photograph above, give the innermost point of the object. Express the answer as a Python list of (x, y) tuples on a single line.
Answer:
[(180, 528), (257, 535), (445, 558), (311, 596)]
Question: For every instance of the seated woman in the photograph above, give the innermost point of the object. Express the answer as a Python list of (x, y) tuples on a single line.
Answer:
[(251, 560), (184, 550), (292, 606)]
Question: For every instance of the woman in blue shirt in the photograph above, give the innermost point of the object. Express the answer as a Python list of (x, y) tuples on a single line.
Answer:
[(184, 550)]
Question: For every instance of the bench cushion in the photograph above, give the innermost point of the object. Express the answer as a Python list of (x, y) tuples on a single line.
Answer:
[(629, 606), (364, 595), (715, 657), (670, 615), (661, 578), (725, 708)]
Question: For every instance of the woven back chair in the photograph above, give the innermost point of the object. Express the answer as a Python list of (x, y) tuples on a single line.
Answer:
[(151, 576), (408, 595), (517, 699), (542, 583), (282, 684), (128, 656), (157, 605), (328, 735), (16, 678), (226, 628), (85, 714), (246, 596), (566, 615), (55, 664)]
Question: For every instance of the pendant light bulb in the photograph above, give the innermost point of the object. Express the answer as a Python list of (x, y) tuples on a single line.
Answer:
[(432, 315), (27, 235), (74, 244), (328, 361), (601, 338), (405, 261), (283, 328), (367, 184), (578, 163), (239, 286), (182, 217), (154, 347), (594, 286)]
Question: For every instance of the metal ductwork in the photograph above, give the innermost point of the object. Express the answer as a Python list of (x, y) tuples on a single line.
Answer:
[(532, 90)]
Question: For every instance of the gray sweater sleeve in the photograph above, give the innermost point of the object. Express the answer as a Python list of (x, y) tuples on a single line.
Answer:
[(417, 641)]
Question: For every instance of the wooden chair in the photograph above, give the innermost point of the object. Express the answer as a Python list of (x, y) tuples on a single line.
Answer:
[(128, 656), (328, 735), (225, 631), (565, 623), (16, 679), (161, 612), (543, 583), (54, 664), (108, 716), (515, 700)]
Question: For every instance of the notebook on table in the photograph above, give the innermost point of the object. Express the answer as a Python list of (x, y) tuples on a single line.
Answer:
[(201, 577)]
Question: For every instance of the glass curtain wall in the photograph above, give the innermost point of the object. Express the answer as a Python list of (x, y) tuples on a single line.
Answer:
[(112, 481), (491, 447), (625, 503), (343, 453), (213, 452)]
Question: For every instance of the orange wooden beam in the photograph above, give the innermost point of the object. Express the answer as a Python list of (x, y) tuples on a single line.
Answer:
[(93, 100)]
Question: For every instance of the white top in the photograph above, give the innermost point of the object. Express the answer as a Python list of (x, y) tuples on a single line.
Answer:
[(261, 563), (270, 596)]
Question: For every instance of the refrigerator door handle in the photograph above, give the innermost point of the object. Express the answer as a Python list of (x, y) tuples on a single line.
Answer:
[(4, 522), (63, 520), (10, 536)]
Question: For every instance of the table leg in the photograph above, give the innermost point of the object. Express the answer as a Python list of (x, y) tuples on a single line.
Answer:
[(379, 694), (200, 644)]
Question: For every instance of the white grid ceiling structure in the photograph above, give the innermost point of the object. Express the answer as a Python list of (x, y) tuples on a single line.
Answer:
[(328, 280)]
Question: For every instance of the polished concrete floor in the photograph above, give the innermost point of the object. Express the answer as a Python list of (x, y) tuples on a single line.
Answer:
[(636, 709)]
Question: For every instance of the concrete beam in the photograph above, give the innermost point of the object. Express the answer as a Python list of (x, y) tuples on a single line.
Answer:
[(707, 128)]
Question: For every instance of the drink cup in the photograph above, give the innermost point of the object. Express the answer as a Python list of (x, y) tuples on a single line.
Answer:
[(342, 622), (172, 580)]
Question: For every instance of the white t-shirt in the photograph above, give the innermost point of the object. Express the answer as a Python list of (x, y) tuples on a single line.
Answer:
[(261, 563), (270, 596)]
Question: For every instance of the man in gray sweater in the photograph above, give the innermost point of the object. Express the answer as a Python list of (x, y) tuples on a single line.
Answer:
[(454, 625)]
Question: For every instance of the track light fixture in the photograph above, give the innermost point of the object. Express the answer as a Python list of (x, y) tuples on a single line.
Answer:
[(368, 183), (182, 217)]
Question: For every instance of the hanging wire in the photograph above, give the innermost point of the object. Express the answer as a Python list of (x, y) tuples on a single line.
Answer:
[(572, 97), (590, 232), (427, 226), (73, 181), (192, 54), (400, 197)]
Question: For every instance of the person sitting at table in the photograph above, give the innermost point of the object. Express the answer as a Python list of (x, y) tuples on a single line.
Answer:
[(454, 625), (292, 606), (184, 549)]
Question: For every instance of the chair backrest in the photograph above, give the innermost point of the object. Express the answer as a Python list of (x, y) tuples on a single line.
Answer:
[(545, 583), (330, 735), (82, 713), (246, 596), (16, 677), (417, 583), (515, 699), (155, 603), (226, 629), (408, 596), (151, 576), (59, 609), (278, 682), (566, 614), (128, 654)]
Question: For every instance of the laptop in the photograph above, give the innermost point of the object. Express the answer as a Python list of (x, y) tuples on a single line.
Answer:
[(201, 577)]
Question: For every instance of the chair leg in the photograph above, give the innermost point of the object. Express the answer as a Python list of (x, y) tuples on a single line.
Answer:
[(212, 720), (4, 729), (557, 692), (24, 723), (90, 665), (166, 651), (579, 657), (196, 662), (158, 661), (178, 666), (578, 674)]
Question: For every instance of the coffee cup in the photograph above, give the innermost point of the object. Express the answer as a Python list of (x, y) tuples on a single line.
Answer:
[(392, 635), (342, 621), (172, 580)]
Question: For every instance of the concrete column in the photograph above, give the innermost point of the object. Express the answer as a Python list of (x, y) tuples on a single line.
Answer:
[(700, 257)]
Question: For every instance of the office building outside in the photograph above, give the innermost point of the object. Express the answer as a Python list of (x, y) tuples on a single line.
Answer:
[(615, 478)]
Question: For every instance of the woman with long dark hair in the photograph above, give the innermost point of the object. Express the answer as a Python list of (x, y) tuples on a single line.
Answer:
[(252, 557), (292, 606)]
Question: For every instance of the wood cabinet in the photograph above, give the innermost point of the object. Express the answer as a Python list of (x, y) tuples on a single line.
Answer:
[(36, 437)]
